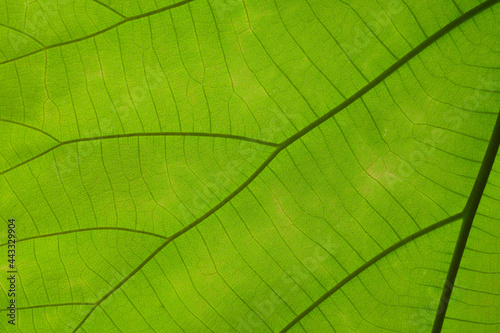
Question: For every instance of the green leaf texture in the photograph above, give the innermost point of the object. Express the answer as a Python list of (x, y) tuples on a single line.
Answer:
[(251, 166)]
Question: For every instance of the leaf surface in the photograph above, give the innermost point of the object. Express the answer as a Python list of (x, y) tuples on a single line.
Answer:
[(264, 166)]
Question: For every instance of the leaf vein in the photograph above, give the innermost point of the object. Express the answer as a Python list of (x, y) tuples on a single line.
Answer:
[(100, 32)]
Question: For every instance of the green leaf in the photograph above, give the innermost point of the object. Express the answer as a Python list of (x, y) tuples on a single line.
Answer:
[(264, 166)]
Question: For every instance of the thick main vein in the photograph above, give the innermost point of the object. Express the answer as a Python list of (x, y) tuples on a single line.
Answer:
[(30, 127), (130, 135), (285, 144), (470, 211), (397, 65), (97, 33), (467, 215), (368, 264), (47, 306), (60, 233)]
